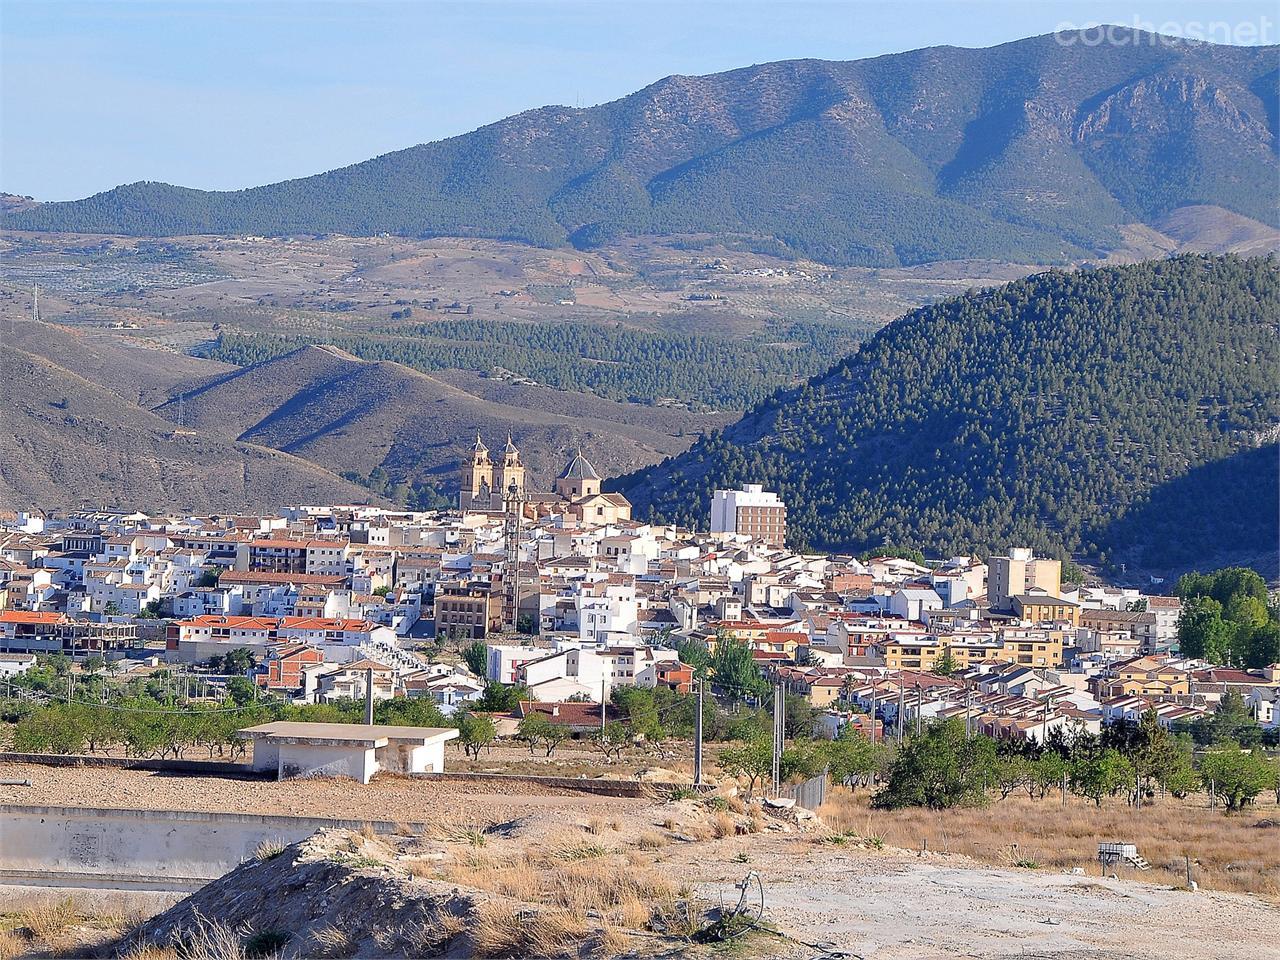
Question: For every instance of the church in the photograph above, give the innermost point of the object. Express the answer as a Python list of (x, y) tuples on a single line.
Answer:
[(497, 485)]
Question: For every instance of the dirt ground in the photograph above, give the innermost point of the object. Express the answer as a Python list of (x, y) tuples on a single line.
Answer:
[(824, 898), (386, 798)]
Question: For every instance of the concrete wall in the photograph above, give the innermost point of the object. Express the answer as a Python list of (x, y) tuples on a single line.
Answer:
[(138, 848), (327, 760), (401, 757)]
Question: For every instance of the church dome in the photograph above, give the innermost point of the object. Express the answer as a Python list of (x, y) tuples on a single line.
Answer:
[(579, 468)]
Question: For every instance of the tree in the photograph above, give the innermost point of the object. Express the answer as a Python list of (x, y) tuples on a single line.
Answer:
[(239, 660), (1235, 775), (640, 711), (938, 769), (500, 698), (1231, 722), (693, 653), (945, 665), (533, 729), (241, 690), (752, 760), (612, 740), (851, 756), (1101, 775), (408, 712), (1011, 773), (475, 733), (1202, 632), (734, 669), (93, 663), (476, 656)]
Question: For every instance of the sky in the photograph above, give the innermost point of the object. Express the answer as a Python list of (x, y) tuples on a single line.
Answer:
[(237, 93)]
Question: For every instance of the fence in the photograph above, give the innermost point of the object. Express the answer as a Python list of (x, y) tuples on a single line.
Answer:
[(811, 794)]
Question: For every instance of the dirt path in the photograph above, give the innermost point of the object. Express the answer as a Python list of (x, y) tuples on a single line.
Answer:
[(896, 906)]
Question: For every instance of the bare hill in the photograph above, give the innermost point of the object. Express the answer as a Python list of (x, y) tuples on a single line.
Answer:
[(66, 441), (348, 414)]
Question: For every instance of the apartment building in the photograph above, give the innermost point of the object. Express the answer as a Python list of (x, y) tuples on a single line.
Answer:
[(750, 512)]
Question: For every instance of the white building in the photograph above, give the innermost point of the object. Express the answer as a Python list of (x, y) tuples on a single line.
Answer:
[(750, 512)]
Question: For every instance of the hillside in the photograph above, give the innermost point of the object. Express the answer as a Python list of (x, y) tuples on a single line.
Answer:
[(1073, 412), (1035, 151), (66, 442), (354, 416)]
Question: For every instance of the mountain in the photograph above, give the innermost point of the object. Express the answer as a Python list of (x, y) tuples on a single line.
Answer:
[(356, 417), (1035, 151), (1126, 414), (66, 442)]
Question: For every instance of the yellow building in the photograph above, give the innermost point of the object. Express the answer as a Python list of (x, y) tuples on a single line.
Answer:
[(1020, 573), (1044, 608), (1145, 677)]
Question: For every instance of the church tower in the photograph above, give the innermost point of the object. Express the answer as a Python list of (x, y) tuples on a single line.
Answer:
[(509, 471), (477, 479)]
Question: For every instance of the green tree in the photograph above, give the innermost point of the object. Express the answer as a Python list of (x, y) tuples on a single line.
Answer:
[(938, 769), (501, 698), (93, 664), (945, 665), (239, 660), (537, 728), (475, 733), (241, 690), (851, 757), (734, 670), (693, 653), (1235, 775), (612, 739), (752, 760), (476, 656), (1100, 775)]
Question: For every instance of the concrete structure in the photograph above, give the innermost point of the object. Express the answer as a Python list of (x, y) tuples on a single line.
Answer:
[(1019, 573), (750, 512), (353, 750), (139, 849)]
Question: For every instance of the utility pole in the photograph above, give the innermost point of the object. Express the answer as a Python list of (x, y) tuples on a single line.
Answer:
[(900, 705), (697, 738), (873, 711), (968, 709), (602, 700), (779, 734), (368, 696), (919, 705)]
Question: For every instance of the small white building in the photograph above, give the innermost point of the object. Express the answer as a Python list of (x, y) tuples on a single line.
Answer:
[(354, 750)]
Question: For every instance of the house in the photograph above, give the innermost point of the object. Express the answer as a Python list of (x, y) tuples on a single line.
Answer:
[(1143, 677), (282, 668), (14, 664), (582, 719), (355, 750)]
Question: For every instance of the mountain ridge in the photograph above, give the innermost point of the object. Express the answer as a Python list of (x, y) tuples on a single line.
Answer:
[(1054, 411), (1034, 151)]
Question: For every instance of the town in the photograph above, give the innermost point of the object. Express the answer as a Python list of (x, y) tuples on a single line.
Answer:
[(560, 595)]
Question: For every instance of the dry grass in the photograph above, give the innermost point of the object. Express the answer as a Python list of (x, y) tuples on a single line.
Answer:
[(329, 941), (12, 945), (723, 825), (652, 840), (268, 849), (366, 830), (1236, 853), (611, 942), (499, 929), (150, 951), (49, 919)]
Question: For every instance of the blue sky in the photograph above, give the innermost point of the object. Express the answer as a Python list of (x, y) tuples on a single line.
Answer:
[(235, 93)]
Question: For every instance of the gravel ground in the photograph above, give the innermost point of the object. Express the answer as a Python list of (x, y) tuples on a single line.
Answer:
[(386, 798), (897, 906)]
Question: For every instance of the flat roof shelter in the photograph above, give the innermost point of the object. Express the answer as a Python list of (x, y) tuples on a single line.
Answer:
[(355, 750)]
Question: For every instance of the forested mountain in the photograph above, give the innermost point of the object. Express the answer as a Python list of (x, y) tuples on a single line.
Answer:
[(1126, 414), (1033, 151)]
